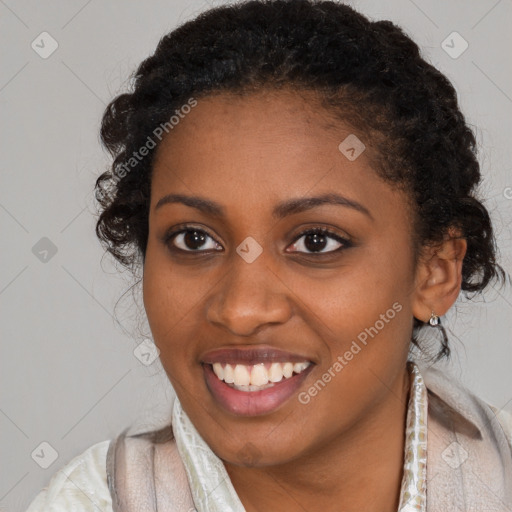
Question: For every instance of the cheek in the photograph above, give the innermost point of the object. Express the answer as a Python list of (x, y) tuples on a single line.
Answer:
[(165, 308), (355, 295), (167, 297), (364, 327), (166, 301), (362, 314), (174, 302)]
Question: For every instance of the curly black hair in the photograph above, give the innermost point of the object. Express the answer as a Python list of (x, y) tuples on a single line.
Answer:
[(368, 73)]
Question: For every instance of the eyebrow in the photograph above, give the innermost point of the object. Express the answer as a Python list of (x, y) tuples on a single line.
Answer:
[(281, 210)]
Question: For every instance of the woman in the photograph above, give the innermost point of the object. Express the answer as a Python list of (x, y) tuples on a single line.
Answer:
[(299, 186)]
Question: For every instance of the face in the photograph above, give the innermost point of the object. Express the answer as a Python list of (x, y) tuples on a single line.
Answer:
[(283, 323)]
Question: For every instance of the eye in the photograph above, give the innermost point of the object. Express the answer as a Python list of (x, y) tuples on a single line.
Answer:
[(195, 240), (191, 240), (317, 239)]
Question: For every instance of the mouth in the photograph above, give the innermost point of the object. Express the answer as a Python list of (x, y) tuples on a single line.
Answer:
[(254, 381)]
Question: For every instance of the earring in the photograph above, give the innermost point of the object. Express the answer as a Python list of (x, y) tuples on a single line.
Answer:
[(434, 319)]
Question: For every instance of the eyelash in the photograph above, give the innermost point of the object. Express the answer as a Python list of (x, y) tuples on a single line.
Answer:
[(169, 237)]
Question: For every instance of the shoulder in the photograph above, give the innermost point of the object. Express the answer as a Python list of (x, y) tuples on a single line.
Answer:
[(80, 486), (505, 419), (449, 398), (149, 464)]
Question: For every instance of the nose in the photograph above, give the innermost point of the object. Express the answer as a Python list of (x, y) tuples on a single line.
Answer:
[(249, 297)]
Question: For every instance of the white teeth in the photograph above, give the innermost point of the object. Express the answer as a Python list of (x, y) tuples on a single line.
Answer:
[(242, 377), (229, 374), (299, 367), (287, 370), (219, 371), (256, 377), (252, 387), (275, 373), (259, 375)]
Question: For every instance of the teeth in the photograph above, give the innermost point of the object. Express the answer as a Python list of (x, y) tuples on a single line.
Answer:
[(258, 376), (219, 371), (287, 370), (275, 373), (252, 388), (242, 375), (229, 374), (299, 367)]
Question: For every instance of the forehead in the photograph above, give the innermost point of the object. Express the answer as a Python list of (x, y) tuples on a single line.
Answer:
[(263, 147)]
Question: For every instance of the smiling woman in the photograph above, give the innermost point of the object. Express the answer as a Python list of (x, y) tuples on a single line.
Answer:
[(308, 208)]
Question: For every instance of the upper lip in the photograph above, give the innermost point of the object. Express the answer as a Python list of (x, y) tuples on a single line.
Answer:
[(251, 355)]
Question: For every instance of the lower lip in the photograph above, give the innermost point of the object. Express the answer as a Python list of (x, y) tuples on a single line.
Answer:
[(252, 403)]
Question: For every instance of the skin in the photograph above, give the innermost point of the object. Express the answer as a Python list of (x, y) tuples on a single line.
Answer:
[(249, 153)]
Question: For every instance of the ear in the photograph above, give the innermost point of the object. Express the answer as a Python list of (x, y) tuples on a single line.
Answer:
[(438, 276)]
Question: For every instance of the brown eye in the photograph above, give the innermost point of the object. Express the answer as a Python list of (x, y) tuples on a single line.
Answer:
[(316, 240), (191, 240)]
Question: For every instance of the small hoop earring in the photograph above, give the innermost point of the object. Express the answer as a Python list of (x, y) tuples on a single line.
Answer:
[(434, 319)]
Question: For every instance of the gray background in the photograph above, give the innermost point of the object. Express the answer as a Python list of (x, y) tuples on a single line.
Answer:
[(68, 372)]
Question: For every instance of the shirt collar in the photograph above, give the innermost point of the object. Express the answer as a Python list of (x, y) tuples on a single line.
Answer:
[(413, 496), (451, 404)]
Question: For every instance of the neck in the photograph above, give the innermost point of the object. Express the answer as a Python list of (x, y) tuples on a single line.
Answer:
[(358, 470)]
